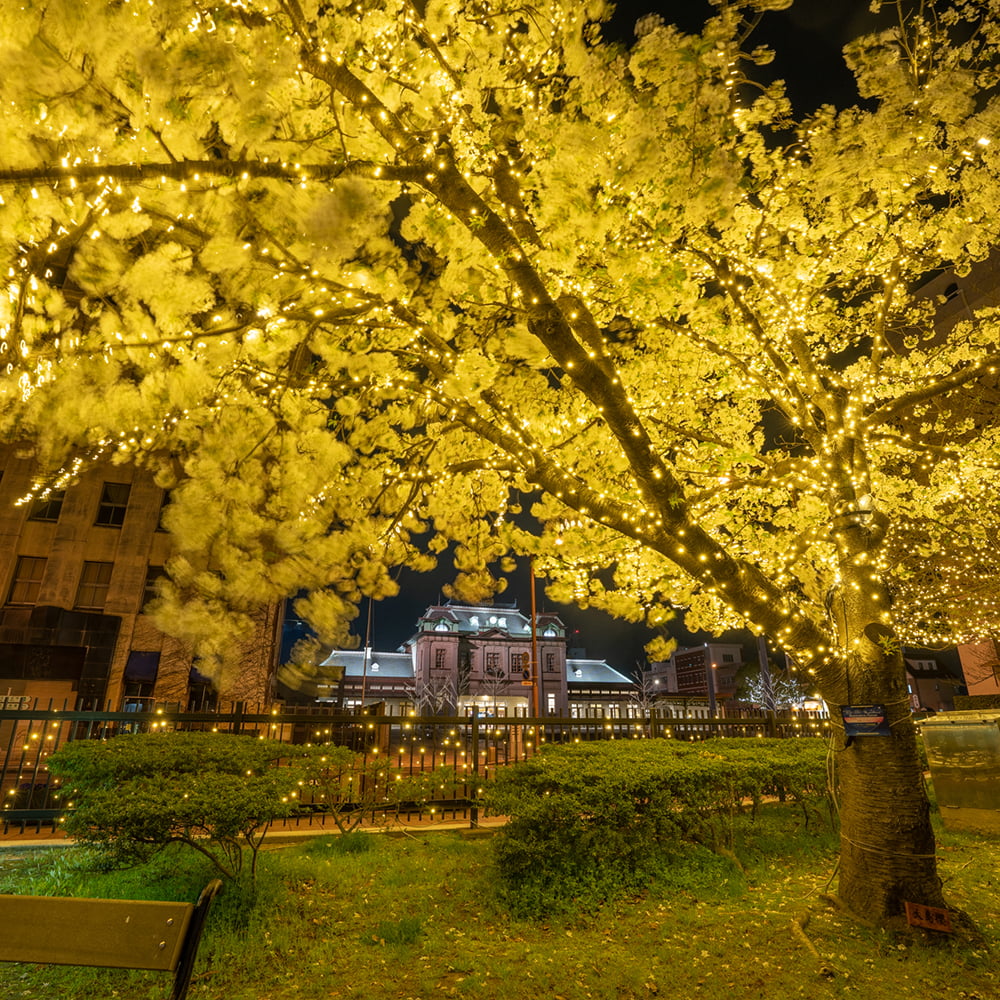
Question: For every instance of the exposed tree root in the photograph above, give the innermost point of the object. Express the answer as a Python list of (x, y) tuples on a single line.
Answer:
[(798, 926)]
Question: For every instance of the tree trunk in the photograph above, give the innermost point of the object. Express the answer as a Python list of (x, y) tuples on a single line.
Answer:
[(887, 843)]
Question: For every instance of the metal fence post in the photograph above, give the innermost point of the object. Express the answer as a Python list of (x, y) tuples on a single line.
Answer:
[(474, 808)]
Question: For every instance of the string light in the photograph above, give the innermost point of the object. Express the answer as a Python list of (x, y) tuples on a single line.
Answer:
[(720, 396)]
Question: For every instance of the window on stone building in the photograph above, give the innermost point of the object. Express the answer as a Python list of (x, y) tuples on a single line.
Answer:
[(27, 580), (49, 507), (493, 664), (202, 693), (94, 581), (153, 573), (114, 503), (439, 659), (164, 500), (550, 662)]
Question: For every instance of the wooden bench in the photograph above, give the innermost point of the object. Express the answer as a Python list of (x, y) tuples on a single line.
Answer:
[(115, 933)]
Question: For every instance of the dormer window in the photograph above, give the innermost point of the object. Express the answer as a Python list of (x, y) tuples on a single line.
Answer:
[(502, 622), (474, 621), (577, 672), (549, 632), (373, 668), (442, 626)]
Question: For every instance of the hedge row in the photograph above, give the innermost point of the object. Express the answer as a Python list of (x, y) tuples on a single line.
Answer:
[(602, 816)]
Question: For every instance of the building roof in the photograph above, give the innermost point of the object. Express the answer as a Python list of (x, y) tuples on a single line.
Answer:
[(594, 672), (924, 668), (472, 619), (379, 664)]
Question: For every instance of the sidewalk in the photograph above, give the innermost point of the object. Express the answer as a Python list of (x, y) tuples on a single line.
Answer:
[(288, 831)]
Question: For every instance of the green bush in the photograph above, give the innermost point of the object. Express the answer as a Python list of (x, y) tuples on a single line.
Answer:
[(353, 788), (131, 796), (598, 820)]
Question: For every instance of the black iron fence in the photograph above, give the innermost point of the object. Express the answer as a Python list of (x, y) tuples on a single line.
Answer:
[(472, 746)]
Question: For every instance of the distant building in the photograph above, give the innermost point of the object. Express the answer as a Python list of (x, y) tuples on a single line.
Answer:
[(76, 569), (981, 666), (705, 671), (464, 656), (932, 686)]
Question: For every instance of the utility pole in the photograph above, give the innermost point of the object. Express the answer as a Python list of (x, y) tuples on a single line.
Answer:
[(534, 643)]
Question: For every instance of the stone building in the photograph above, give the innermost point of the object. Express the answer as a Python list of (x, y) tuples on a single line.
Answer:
[(462, 657), (76, 569)]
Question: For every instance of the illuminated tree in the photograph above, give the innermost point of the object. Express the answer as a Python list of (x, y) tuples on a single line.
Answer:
[(365, 281)]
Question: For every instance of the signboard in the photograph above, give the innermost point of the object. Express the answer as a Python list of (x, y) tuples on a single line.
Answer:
[(932, 917), (864, 720)]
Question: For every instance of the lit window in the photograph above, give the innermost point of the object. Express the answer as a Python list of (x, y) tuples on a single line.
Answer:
[(93, 589), (114, 503), (27, 580)]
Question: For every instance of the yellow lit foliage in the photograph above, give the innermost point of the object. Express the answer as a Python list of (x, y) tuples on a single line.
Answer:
[(363, 281)]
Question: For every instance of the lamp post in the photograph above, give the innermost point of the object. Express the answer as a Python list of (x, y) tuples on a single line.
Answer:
[(710, 677)]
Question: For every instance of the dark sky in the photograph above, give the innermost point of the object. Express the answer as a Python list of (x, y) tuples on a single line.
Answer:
[(807, 40)]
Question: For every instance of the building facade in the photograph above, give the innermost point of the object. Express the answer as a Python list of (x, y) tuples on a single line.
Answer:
[(76, 569), (932, 687), (981, 666), (708, 671), (463, 657)]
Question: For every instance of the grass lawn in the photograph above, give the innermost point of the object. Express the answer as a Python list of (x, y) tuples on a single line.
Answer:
[(416, 918)]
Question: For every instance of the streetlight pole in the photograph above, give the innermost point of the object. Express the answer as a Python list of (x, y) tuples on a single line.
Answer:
[(710, 676), (534, 642)]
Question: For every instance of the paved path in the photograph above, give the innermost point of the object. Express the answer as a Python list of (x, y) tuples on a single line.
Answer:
[(287, 831)]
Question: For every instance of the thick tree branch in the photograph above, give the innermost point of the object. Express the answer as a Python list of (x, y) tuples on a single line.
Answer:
[(938, 387), (186, 171)]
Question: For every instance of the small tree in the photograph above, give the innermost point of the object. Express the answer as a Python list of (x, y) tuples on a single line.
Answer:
[(645, 694), (435, 695), (353, 787), (131, 796), (495, 683), (787, 689)]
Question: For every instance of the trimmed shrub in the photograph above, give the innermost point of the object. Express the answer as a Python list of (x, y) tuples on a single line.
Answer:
[(598, 820), (132, 795)]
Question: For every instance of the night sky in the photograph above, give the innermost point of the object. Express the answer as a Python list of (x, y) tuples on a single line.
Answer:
[(807, 40)]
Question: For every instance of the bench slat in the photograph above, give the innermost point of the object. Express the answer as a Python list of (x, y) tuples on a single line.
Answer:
[(120, 934)]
